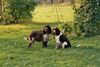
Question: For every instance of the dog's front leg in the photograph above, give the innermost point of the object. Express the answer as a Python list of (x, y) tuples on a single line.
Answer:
[(44, 43), (45, 40), (58, 46)]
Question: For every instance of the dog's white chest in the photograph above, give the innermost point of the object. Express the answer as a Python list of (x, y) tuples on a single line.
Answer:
[(45, 37), (57, 38)]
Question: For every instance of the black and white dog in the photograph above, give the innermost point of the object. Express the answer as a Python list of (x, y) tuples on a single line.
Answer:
[(61, 40), (40, 36)]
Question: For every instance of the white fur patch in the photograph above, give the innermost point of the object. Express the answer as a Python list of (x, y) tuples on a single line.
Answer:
[(64, 43), (54, 31), (32, 39), (58, 39), (45, 37)]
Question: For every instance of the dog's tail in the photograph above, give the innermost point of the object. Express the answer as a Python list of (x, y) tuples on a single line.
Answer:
[(25, 38)]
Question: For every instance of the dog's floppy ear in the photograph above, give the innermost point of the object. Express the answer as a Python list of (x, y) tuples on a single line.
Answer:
[(49, 29), (44, 32)]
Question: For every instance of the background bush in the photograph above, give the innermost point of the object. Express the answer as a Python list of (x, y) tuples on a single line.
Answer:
[(86, 17), (15, 11)]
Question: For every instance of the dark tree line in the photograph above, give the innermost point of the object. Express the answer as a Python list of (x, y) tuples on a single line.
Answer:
[(52, 1), (0, 7)]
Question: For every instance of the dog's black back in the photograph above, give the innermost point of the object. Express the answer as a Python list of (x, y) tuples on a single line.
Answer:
[(63, 38)]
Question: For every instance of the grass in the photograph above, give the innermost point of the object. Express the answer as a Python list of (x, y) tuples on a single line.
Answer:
[(48, 13), (14, 51)]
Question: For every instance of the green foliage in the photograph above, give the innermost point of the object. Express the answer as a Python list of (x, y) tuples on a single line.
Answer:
[(86, 17), (65, 28), (17, 10)]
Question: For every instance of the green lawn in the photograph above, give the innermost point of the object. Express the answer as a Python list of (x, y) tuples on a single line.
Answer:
[(49, 13), (14, 51)]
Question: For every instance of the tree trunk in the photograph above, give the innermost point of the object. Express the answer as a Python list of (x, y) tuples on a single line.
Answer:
[(0, 9), (51, 1)]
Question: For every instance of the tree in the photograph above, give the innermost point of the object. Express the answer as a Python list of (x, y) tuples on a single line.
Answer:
[(17, 10), (86, 17), (0, 10), (0, 7)]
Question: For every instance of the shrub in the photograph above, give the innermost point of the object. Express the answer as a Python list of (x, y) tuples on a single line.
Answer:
[(65, 28), (16, 10), (86, 17)]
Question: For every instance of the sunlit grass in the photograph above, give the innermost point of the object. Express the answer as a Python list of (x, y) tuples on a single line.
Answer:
[(14, 51), (14, 26), (49, 13)]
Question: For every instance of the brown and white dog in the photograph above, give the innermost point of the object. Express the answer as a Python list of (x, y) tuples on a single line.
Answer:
[(61, 40), (40, 36)]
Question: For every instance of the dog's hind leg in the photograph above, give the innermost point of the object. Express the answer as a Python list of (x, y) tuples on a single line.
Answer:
[(31, 41), (66, 45)]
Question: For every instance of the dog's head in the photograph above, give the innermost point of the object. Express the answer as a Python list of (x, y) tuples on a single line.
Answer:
[(56, 31), (47, 29)]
